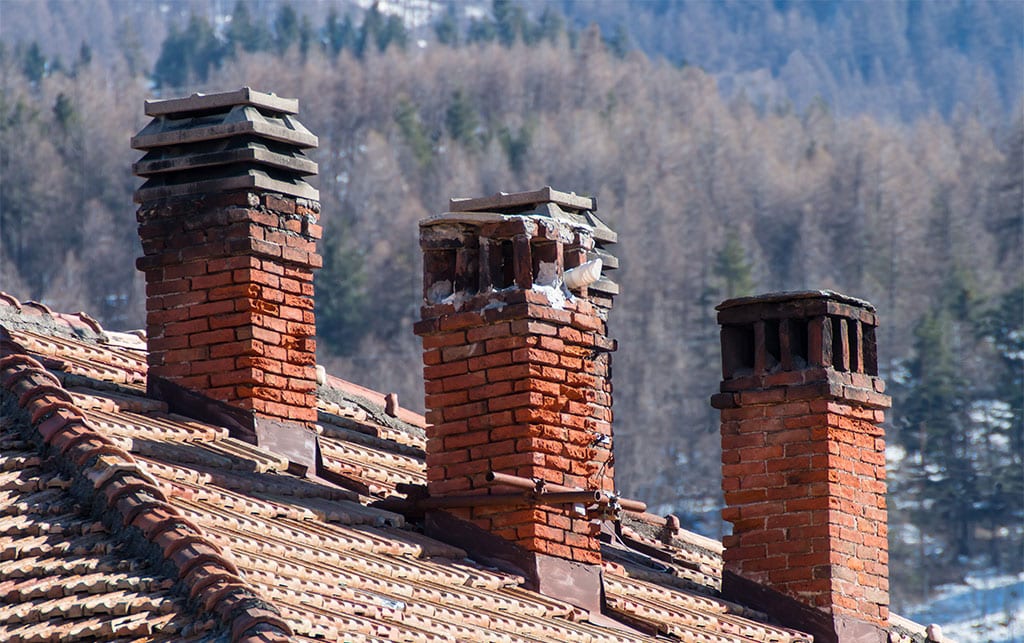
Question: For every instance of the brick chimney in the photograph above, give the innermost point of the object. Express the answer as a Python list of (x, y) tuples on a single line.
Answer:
[(803, 460), (228, 228), (517, 364)]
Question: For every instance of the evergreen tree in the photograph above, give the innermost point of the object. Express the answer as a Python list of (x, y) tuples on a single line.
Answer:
[(172, 66), (305, 36), (243, 33), (188, 54), (84, 55), (733, 268), (550, 25), (481, 30), (461, 120), (339, 34), (369, 31), (341, 298), (447, 27), (393, 34), (34, 63), (516, 146), (286, 28), (509, 21), (413, 132), (64, 112)]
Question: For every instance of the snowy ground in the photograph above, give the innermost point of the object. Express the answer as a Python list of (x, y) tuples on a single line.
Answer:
[(986, 609)]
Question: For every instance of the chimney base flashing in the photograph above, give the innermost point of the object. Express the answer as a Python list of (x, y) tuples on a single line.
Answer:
[(580, 584), (825, 627), (291, 440)]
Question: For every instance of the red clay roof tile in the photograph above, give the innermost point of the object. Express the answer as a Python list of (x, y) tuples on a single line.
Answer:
[(265, 555)]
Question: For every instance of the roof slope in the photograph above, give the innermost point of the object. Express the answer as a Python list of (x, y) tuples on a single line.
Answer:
[(124, 521)]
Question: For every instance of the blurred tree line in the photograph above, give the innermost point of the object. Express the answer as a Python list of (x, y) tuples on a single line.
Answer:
[(713, 197)]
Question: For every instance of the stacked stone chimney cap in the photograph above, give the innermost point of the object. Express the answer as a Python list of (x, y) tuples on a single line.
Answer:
[(212, 143), (546, 202)]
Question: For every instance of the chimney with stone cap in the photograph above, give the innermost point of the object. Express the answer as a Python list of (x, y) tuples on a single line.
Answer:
[(229, 227), (803, 462), (518, 367)]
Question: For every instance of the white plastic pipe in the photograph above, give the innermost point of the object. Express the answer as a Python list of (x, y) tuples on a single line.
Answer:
[(582, 275)]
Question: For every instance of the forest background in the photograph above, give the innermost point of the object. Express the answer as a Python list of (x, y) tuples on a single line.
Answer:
[(737, 147)]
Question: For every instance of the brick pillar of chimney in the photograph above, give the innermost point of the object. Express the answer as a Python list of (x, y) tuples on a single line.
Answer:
[(803, 453), (517, 369), (229, 229)]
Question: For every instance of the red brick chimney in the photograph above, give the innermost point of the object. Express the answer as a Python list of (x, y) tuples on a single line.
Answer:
[(517, 366), (229, 228), (803, 460)]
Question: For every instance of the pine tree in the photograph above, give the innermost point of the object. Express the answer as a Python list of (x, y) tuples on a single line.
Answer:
[(341, 297), (413, 133), (461, 120), (733, 268), (447, 27), (286, 28), (34, 63), (243, 32), (340, 34)]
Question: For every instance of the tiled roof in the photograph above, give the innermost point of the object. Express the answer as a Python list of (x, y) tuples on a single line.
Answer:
[(123, 521)]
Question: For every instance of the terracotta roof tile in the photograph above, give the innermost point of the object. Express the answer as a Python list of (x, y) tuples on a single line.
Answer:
[(122, 520)]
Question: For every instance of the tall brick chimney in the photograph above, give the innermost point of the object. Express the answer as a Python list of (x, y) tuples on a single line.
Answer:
[(229, 228), (803, 460), (517, 366)]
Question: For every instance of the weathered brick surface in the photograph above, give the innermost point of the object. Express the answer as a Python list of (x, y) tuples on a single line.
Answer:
[(504, 406), (229, 280), (803, 459)]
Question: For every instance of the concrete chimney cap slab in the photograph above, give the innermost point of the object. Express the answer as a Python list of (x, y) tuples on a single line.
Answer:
[(780, 297), (516, 200), (189, 106)]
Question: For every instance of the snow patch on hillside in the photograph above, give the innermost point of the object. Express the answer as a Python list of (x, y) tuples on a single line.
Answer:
[(986, 608)]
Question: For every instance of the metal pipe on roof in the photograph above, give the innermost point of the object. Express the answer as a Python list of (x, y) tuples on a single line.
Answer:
[(570, 497), (547, 489), (562, 498), (635, 506), (508, 480)]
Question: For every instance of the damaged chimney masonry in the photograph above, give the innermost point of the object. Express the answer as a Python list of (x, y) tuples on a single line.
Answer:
[(803, 458), (517, 365), (229, 228)]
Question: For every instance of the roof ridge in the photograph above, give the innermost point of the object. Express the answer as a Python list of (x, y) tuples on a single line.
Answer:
[(38, 315), (109, 479)]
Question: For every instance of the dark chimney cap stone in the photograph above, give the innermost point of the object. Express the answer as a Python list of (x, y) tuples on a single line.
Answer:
[(780, 297)]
